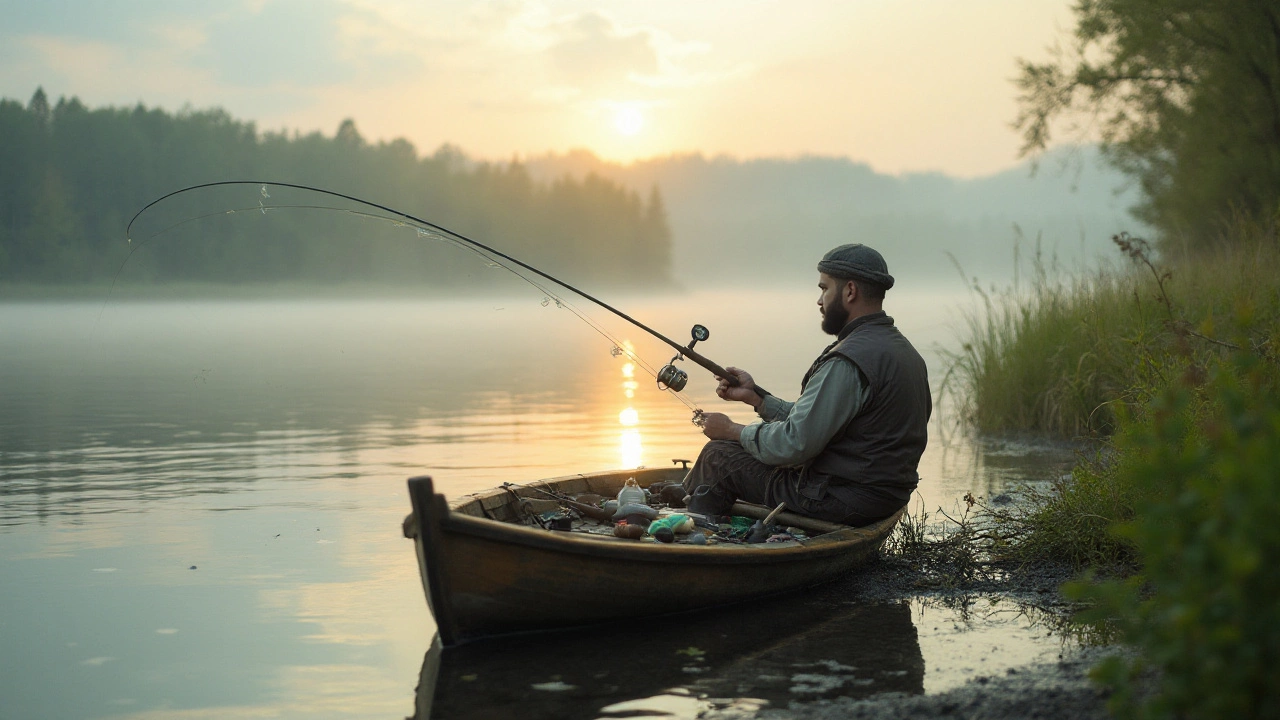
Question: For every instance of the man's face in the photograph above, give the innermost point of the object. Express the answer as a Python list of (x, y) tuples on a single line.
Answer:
[(831, 304)]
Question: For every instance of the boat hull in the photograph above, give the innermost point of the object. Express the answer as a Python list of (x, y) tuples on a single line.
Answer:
[(484, 577)]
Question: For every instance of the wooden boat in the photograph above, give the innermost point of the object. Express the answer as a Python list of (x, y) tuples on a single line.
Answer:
[(486, 574)]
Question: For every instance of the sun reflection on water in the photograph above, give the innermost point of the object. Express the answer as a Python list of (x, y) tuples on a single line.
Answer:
[(629, 444), (630, 447)]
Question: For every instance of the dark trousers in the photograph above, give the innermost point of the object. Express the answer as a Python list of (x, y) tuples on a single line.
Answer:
[(732, 474)]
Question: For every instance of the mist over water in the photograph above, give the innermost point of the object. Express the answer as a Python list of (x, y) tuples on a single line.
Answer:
[(766, 220), (200, 500)]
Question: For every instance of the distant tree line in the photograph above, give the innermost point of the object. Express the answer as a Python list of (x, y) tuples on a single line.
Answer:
[(71, 177)]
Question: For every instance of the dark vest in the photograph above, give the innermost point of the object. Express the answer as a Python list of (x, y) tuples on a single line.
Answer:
[(881, 446)]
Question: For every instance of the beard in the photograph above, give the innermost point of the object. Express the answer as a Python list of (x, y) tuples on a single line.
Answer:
[(834, 318)]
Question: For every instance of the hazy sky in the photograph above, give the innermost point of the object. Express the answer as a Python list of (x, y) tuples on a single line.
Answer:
[(905, 85)]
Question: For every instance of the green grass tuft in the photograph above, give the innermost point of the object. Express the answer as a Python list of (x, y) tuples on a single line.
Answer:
[(1070, 352)]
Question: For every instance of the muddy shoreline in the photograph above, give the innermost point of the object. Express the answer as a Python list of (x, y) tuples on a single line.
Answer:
[(1060, 689), (1057, 689)]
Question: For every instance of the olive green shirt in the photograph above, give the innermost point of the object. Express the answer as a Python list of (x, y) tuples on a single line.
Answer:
[(794, 433)]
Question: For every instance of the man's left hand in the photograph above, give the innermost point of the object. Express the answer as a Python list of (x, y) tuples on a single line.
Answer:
[(718, 426)]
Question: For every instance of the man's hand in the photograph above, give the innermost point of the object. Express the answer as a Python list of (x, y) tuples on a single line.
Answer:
[(718, 426), (744, 391)]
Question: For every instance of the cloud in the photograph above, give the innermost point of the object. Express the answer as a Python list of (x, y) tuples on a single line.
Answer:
[(278, 43), (592, 50), (244, 46), (300, 44), (58, 62), (86, 20), (511, 73)]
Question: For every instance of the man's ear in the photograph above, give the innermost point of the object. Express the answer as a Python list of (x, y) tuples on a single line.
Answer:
[(850, 291)]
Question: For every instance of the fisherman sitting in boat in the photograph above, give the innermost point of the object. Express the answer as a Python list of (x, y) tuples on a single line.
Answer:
[(847, 450)]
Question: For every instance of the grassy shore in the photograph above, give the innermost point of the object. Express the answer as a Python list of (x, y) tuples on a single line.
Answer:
[(1069, 353), (1172, 364)]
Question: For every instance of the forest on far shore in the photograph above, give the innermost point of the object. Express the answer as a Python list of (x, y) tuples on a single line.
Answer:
[(73, 176)]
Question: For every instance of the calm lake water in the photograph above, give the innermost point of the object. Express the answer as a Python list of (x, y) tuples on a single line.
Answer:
[(200, 505)]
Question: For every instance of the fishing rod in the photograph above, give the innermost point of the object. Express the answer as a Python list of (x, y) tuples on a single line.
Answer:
[(669, 377)]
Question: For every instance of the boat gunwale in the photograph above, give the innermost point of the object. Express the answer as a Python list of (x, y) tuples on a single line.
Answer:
[(815, 547)]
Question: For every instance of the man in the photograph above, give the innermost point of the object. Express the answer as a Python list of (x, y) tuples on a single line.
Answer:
[(847, 450)]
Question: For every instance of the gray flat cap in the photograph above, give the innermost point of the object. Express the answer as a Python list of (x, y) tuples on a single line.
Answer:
[(859, 262)]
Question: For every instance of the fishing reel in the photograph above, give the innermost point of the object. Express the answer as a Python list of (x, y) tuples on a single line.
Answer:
[(671, 377)]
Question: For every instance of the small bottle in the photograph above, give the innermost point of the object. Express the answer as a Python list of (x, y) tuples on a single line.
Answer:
[(631, 493)]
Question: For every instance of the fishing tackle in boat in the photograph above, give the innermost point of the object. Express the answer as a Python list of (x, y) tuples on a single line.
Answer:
[(669, 377)]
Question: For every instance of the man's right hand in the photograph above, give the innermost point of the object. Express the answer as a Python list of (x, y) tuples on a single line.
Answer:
[(743, 391)]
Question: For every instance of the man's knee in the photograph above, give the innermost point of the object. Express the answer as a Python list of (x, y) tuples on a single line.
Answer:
[(716, 449), (711, 464), (705, 484)]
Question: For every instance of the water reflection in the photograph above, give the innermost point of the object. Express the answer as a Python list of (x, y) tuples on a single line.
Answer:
[(772, 653), (630, 448), (171, 400), (266, 444)]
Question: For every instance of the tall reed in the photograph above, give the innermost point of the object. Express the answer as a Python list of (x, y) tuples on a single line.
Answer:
[(1082, 354), (1062, 354)]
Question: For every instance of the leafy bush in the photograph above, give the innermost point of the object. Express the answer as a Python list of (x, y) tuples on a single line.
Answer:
[(1205, 610)]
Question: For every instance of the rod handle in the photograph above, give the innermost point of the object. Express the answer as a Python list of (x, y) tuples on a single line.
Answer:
[(718, 371)]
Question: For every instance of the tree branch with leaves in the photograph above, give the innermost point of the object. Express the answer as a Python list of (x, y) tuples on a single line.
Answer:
[(1183, 95)]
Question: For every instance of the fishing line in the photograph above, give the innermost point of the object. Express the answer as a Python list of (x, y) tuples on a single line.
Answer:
[(561, 302), (492, 258), (668, 375)]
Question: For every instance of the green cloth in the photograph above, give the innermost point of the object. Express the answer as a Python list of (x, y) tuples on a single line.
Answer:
[(672, 522), (793, 433)]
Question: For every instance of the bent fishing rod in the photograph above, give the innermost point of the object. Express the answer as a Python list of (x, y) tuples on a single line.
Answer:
[(669, 377)]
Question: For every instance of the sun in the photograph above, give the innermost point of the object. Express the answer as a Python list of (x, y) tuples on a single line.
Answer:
[(628, 120)]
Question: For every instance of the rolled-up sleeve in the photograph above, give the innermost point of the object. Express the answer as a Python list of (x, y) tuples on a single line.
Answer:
[(794, 433), (774, 408)]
